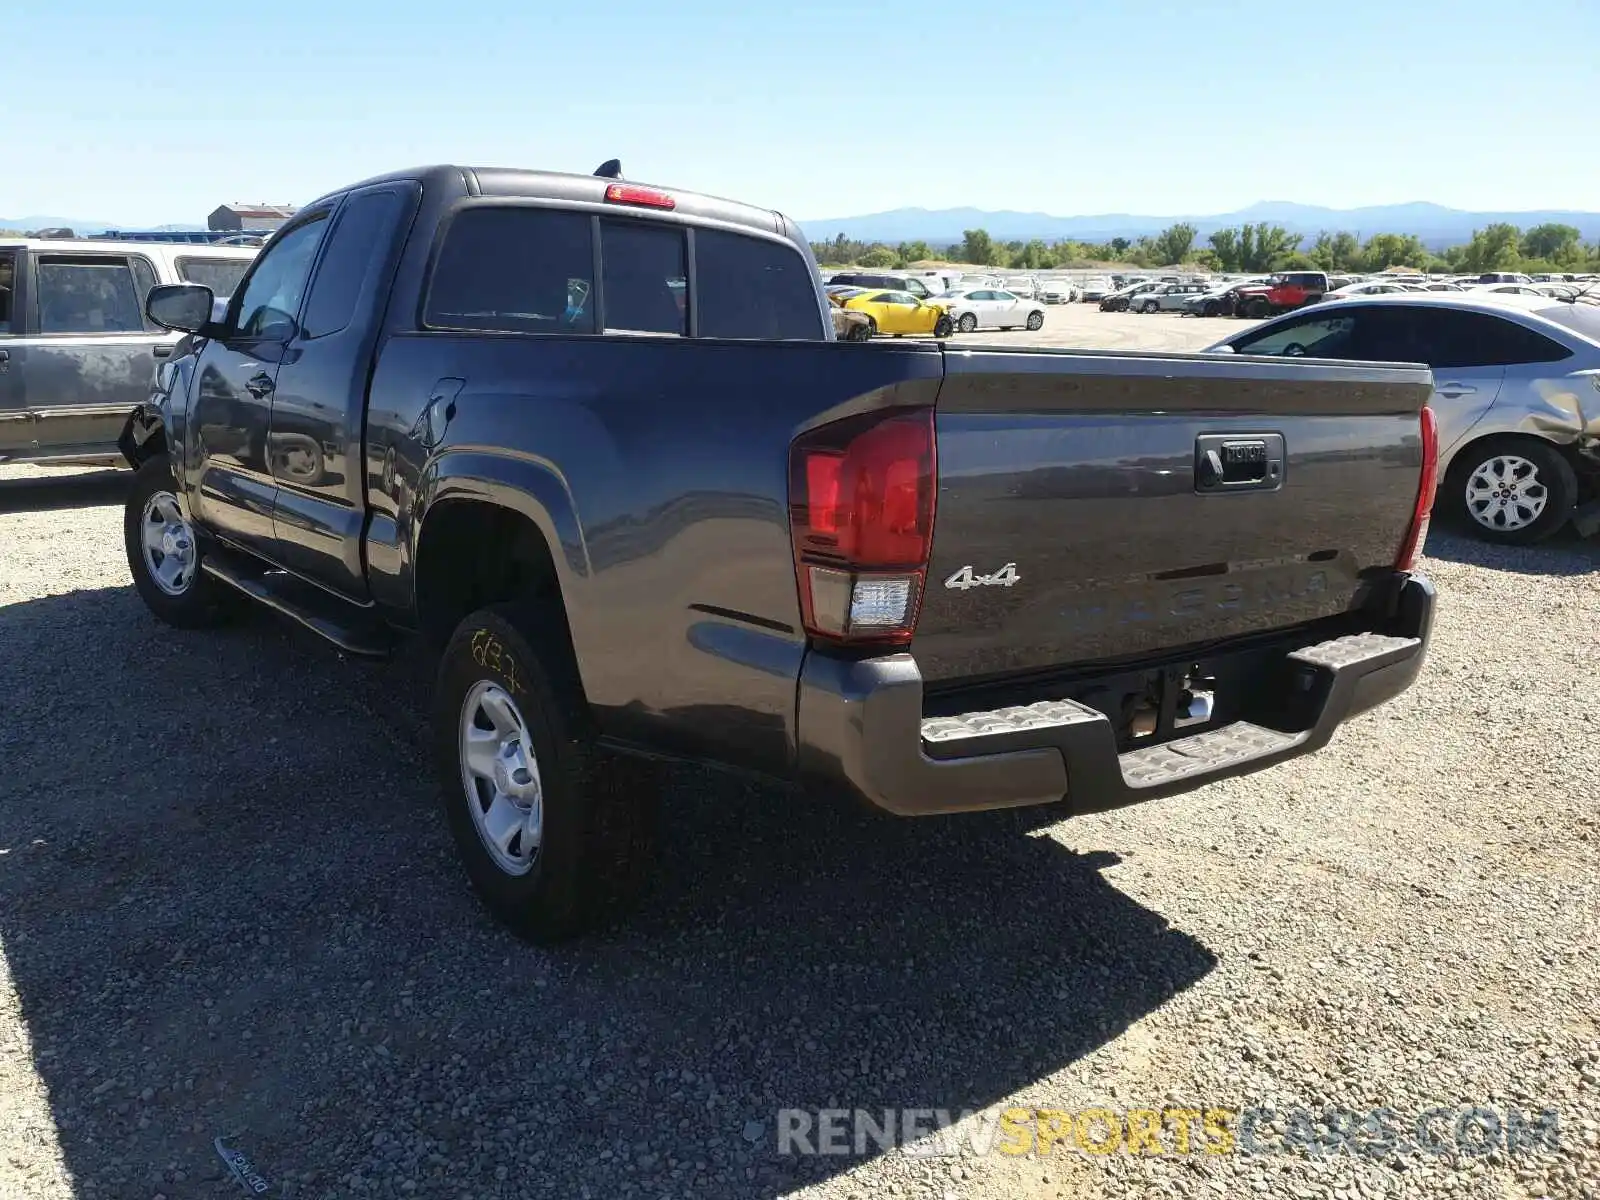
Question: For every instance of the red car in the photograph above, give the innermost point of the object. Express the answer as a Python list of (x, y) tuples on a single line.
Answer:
[(1284, 291)]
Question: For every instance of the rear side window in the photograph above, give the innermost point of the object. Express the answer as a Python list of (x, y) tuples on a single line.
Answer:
[(88, 295), (514, 270), (1473, 339), (752, 288), (355, 252), (646, 278), (221, 275)]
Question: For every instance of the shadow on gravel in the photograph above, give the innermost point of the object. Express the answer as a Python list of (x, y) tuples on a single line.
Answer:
[(82, 490), (229, 908), (1564, 554)]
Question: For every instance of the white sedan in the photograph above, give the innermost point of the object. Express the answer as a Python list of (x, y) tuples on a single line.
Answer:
[(1372, 287), (991, 308)]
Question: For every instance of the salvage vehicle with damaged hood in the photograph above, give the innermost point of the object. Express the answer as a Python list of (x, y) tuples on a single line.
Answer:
[(594, 441)]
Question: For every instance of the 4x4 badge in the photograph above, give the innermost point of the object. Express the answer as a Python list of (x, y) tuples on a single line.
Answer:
[(963, 579)]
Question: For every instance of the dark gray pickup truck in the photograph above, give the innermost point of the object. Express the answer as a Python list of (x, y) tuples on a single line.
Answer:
[(595, 441)]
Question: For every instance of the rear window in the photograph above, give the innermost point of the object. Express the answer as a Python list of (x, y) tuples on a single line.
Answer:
[(646, 278), (752, 288), (514, 270), (221, 275), (1582, 316)]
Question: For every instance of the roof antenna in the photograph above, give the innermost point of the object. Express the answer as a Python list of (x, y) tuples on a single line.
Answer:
[(610, 169)]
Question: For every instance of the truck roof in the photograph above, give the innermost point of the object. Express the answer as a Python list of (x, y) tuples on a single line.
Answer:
[(513, 182)]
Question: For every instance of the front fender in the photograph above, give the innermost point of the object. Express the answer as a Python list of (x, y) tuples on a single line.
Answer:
[(144, 434)]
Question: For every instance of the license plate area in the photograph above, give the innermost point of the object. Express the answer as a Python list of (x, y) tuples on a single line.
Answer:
[(1231, 462)]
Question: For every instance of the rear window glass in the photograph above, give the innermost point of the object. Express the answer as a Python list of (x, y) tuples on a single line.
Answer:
[(752, 288), (221, 275), (646, 281), (1582, 316), (516, 270)]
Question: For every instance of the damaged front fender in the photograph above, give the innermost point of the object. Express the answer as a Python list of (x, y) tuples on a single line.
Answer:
[(144, 435)]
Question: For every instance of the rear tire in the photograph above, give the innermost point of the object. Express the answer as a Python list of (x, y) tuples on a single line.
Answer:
[(968, 323), (164, 554), (508, 695), (1510, 490)]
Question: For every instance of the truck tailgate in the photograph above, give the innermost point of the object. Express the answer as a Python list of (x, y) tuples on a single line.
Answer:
[(1096, 507)]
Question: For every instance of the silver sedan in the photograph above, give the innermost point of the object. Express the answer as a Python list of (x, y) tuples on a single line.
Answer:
[(1516, 393)]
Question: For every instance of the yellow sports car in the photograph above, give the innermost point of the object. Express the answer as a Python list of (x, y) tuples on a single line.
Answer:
[(900, 313)]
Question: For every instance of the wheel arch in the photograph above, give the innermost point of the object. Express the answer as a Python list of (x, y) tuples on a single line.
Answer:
[(1459, 456), (490, 529)]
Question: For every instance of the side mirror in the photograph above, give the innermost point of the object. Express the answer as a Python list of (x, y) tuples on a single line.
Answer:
[(184, 307)]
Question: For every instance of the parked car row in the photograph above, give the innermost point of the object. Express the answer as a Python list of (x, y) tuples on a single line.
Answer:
[(901, 313)]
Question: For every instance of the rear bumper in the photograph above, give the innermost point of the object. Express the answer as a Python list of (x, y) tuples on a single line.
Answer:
[(861, 725)]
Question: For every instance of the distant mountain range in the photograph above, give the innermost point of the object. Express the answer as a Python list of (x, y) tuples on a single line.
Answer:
[(84, 227), (1435, 224)]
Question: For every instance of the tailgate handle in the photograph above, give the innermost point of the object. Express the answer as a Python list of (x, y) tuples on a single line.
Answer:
[(1227, 462)]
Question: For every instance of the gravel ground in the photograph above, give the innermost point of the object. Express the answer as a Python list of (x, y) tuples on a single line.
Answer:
[(229, 909)]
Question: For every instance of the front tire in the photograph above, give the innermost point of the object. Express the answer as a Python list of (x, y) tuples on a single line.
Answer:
[(1515, 491), (968, 323), (1035, 322), (163, 553), (1149, 307), (943, 327), (555, 836)]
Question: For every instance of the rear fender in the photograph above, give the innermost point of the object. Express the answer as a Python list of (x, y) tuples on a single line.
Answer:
[(523, 483)]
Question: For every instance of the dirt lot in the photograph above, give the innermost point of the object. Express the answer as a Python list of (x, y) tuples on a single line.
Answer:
[(228, 909)]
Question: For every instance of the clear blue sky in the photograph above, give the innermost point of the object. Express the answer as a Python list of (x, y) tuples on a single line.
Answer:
[(143, 113)]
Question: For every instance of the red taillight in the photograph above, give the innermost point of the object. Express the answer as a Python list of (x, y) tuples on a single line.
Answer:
[(626, 193), (1418, 531), (861, 499)]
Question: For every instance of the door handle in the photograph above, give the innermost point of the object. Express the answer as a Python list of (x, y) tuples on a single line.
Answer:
[(260, 386), (161, 351), (5, 356), (1456, 389)]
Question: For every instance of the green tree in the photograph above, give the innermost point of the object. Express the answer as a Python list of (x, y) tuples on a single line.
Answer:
[(1035, 256), (910, 252), (977, 247), (1225, 245), (1553, 242), (1338, 251), (878, 256), (1298, 260), (1258, 247), (1173, 244), (1493, 248), (1384, 250)]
